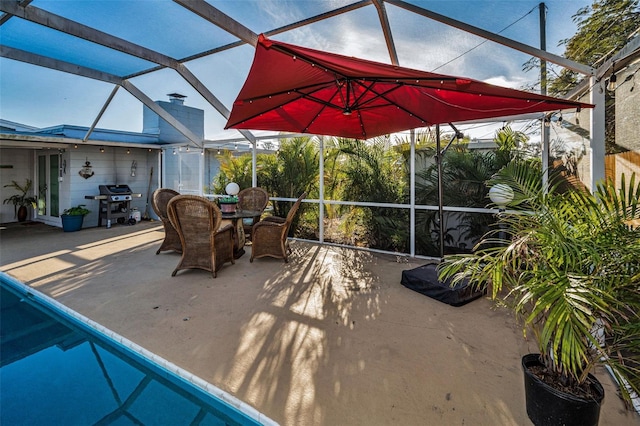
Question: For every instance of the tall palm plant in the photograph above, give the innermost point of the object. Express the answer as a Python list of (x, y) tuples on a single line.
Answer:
[(289, 172), (373, 171), (570, 265), (232, 169)]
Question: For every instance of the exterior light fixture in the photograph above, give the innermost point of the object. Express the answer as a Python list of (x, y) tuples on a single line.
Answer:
[(218, 151), (613, 83), (501, 195), (174, 151), (102, 149), (232, 188), (75, 146), (128, 151), (235, 147)]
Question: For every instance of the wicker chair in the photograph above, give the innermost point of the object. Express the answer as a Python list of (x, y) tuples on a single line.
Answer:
[(270, 235), (204, 244), (253, 198), (159, 201)]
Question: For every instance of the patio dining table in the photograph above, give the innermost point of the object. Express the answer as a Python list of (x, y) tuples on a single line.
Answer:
[(238, 229)]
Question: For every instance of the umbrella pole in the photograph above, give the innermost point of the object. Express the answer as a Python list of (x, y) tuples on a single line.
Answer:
[(440, 204)]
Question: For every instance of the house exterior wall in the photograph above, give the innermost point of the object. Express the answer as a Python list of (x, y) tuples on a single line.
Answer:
[(15, 164), (111, 167), (628, 107)]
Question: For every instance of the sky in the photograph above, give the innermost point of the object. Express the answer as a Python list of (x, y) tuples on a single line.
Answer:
[(42, 97)]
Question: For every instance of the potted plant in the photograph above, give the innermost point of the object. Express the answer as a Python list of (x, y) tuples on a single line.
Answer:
[(228, 203), (21, 201), (569, 266), (73, 217)]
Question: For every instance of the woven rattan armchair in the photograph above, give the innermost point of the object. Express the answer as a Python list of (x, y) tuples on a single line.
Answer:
[(270, 235), (254, 199), (159, 201), (205, 245)]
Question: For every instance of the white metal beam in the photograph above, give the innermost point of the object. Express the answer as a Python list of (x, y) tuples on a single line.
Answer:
[(203, 90), (129, 87), (320, 17), (412, 195), (59, 23), (6, 16), (99, 116), (597, 131), (46, 62), (567, 63), (220, 19), (386, 29)]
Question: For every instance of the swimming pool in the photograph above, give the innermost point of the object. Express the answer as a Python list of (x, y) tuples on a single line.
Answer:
[(60, 368)]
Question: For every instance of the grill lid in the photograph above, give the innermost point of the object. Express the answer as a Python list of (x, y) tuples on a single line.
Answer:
[(115, 190)]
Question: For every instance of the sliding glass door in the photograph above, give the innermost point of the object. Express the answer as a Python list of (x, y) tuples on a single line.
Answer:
[(48, 187)]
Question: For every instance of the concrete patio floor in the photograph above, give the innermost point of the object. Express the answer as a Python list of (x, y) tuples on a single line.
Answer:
[(331, 338)]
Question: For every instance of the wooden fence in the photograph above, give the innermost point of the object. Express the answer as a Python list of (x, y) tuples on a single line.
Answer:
[(624, 163)]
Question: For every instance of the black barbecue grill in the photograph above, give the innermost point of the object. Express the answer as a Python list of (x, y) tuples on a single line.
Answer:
[(115, 203)]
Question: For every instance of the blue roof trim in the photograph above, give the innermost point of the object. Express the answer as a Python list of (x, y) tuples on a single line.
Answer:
[(78, 132)]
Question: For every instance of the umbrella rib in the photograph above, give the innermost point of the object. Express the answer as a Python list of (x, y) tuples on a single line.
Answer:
[(485, 110), (382, 95), (298, 55), (315, 87), (324, 105)]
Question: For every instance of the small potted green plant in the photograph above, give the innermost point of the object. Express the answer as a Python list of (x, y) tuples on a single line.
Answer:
[(21, 201), (228, 203), (73, 217)]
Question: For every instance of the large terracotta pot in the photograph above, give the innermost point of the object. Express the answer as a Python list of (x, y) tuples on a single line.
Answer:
[(23, 212), (228, 207)]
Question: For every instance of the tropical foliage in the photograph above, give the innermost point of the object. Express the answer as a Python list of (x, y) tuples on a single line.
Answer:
[(232, 169), (21, 199), (377, 171), (465, 175), (287, 173), (371, 171), (570, 269)]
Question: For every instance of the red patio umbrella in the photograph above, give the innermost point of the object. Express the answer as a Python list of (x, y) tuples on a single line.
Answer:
[(292, 88)]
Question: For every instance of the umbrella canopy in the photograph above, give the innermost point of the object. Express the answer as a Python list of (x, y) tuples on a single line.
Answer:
[(292, 88)]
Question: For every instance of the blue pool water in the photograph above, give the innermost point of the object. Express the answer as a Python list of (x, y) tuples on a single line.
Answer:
[(54, 370)]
